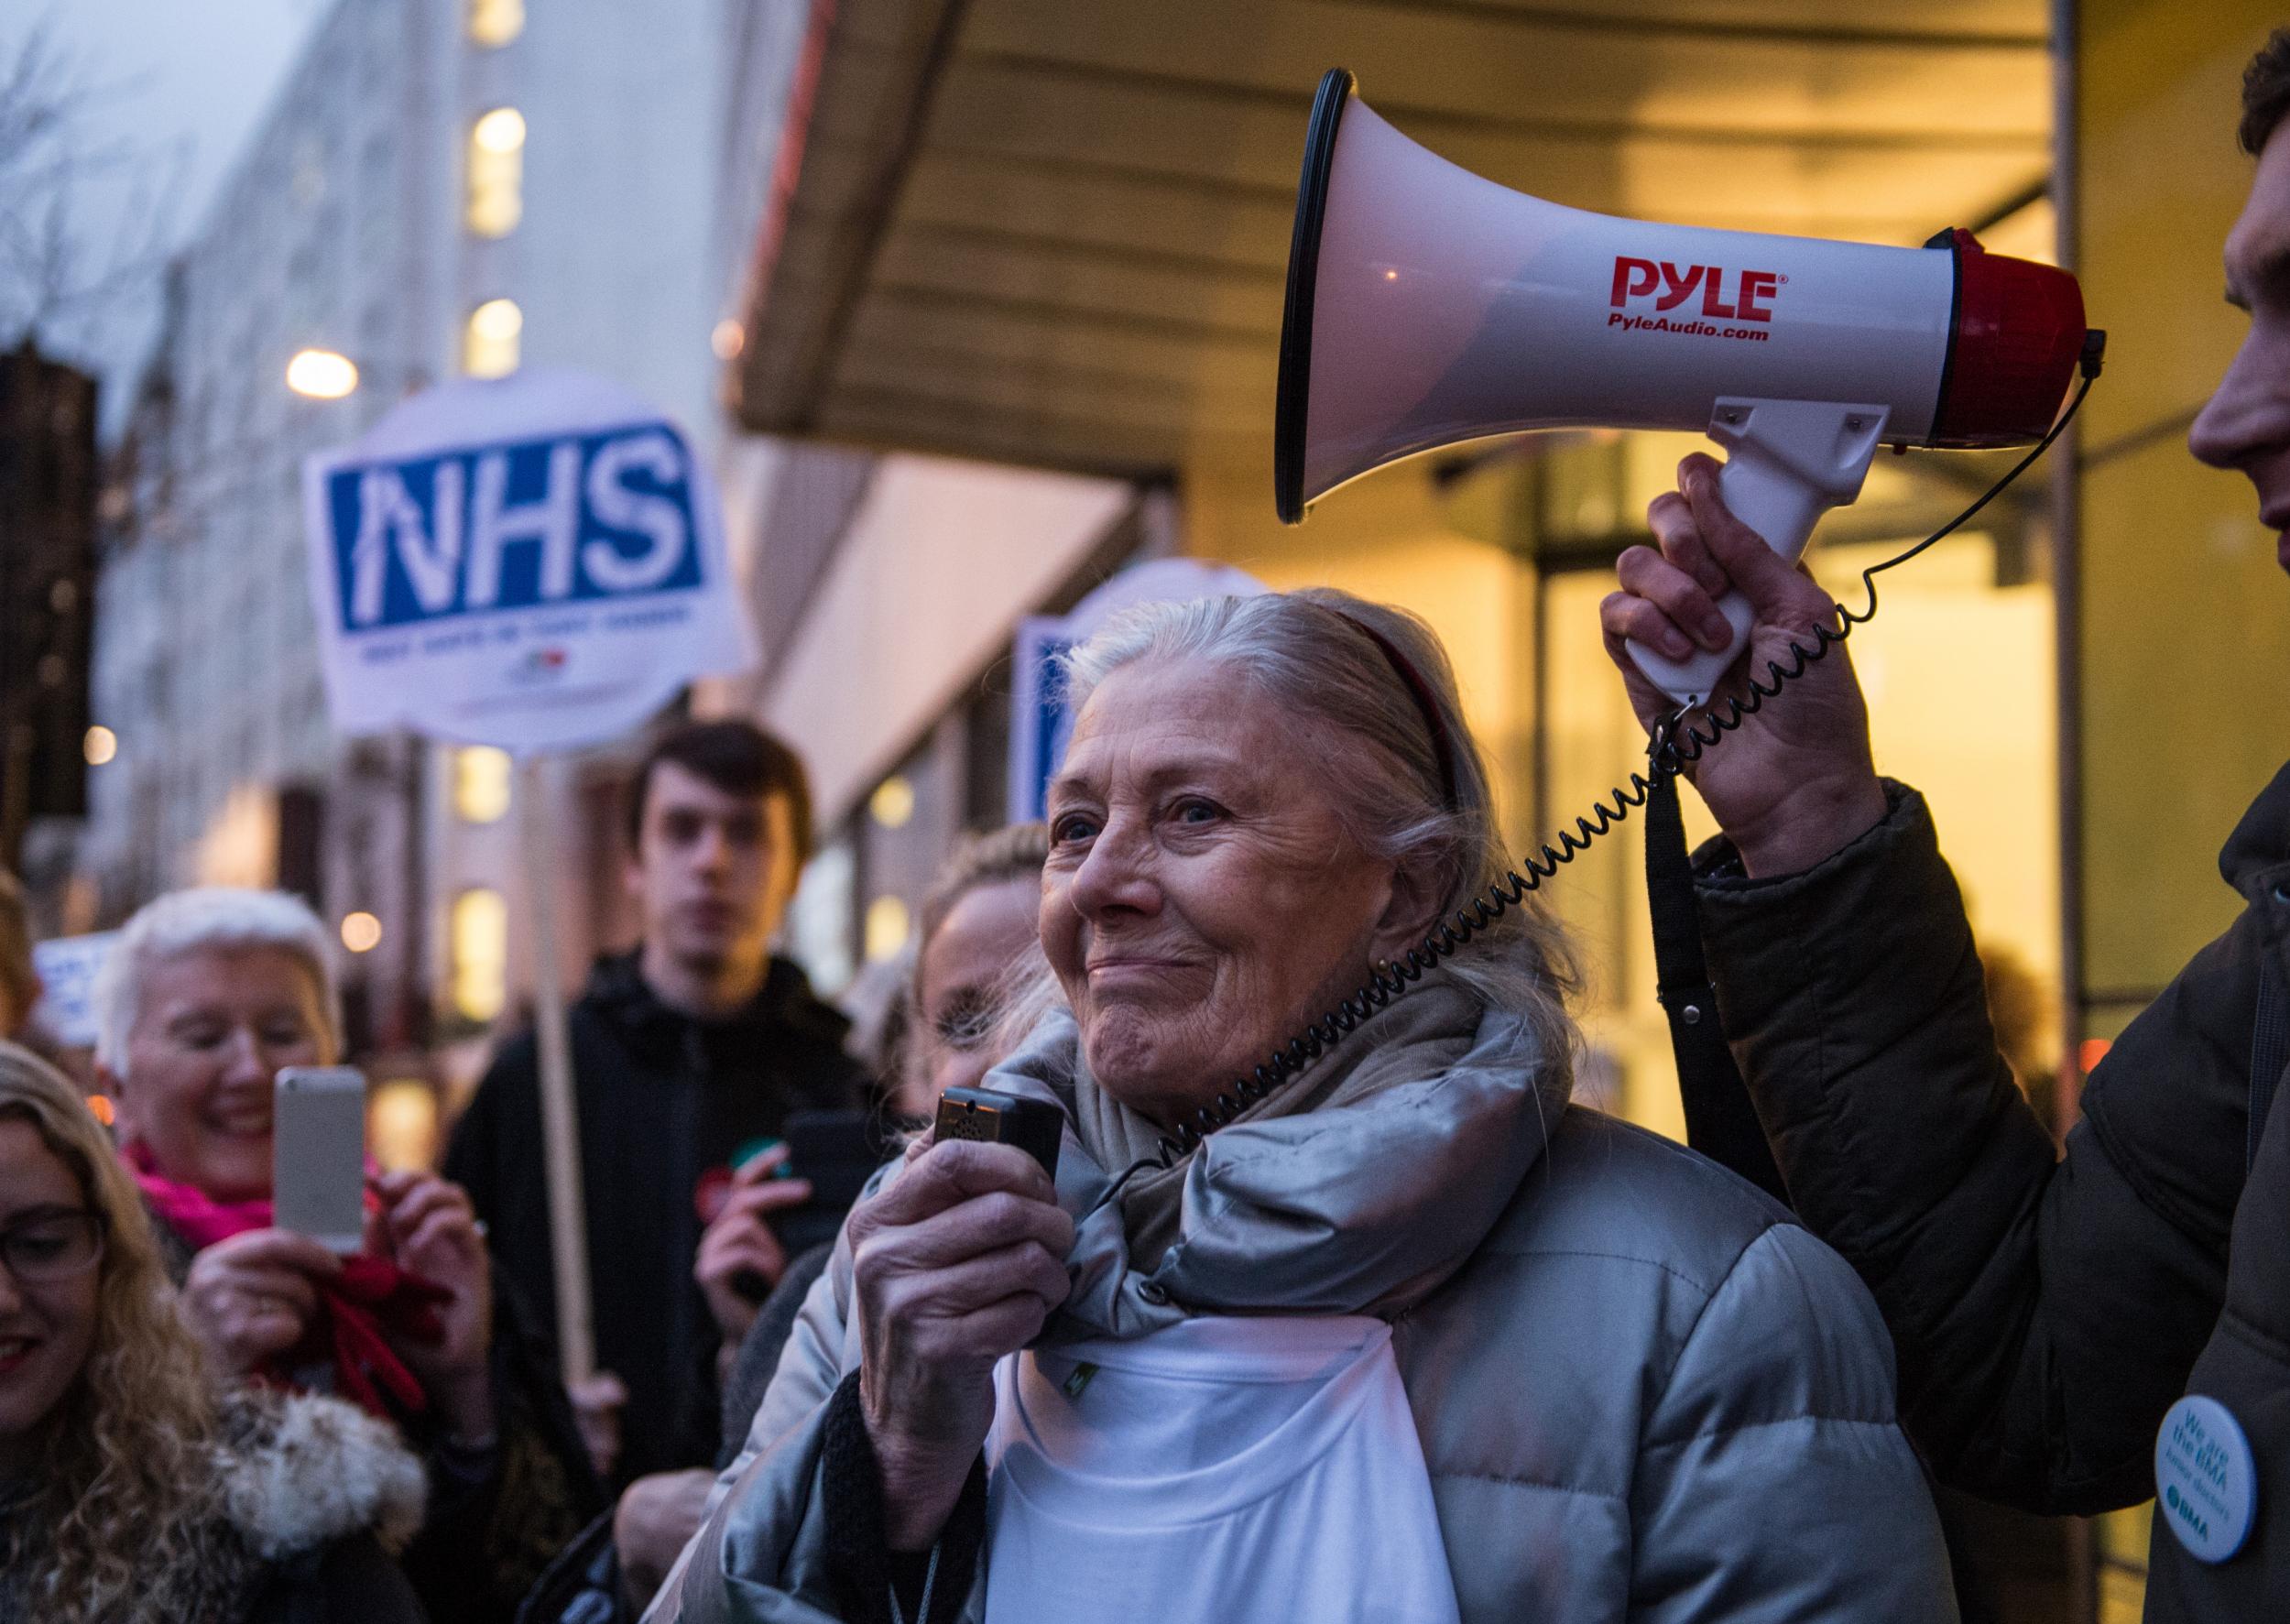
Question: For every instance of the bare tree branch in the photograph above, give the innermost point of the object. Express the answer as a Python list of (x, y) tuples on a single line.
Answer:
[(56, 282)]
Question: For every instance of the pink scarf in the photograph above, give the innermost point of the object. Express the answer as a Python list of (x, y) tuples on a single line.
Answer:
[(357, 1310)]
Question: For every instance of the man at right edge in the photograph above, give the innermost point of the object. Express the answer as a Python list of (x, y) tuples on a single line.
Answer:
[(2048, 1312)]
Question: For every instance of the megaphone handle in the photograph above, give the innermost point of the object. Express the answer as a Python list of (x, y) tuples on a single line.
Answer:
[(1792, 461)]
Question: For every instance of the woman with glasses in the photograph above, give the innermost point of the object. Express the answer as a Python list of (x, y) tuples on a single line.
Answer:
[(132, 1486)]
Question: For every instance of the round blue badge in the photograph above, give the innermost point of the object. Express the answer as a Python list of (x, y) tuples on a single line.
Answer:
[(2206, 1482)]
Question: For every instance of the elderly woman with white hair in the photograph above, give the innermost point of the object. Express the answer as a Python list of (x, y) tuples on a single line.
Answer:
[(1385, 1331), (205, 996)]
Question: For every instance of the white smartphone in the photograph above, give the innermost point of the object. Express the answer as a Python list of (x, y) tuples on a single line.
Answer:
[(318, 1155)]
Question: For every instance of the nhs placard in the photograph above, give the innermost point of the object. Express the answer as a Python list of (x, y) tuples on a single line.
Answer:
[(1040, 719), (535, 563)]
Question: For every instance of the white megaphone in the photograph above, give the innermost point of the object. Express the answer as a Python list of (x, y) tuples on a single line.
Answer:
[(1427, 306)]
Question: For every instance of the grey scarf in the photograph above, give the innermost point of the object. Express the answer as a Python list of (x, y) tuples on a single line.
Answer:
[(1358, 1188)]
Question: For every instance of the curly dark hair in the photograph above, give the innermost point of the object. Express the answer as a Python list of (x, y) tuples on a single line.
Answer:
[(2265, 91)]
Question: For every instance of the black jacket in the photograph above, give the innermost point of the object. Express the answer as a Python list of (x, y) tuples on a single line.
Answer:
[(495, 1519), (351, 1581), (2047, 1309), (583, 1586), (316, 1495), (664, 1099)]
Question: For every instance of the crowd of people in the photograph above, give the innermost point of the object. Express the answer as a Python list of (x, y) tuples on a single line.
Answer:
[(1385, 1326), (385, 1435)]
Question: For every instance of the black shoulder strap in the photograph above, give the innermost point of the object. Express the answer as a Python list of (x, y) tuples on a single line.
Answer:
[(1720, 1122), (2270, 1048)]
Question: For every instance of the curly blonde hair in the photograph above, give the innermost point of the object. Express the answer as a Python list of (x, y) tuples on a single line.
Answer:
[(125, 1515)]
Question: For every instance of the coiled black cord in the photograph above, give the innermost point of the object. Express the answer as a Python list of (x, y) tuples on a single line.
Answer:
[(1673, 743)]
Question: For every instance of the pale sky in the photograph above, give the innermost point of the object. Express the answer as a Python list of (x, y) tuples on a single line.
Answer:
[(177, 77)]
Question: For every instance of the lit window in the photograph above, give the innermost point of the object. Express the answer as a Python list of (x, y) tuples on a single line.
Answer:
[(501, 130), (481, 954), (886, 929), (892, 803), (401, 1125), (494, 23), (497, 172), (481, 784), (493, 342)]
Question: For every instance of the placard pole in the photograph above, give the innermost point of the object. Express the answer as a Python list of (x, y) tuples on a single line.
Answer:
[(559, 1112)]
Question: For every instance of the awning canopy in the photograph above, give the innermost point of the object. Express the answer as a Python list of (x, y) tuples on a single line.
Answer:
[(1054, 232)]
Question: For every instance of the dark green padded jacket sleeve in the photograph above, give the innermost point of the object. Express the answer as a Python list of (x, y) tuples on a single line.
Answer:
[(2046, 1309)]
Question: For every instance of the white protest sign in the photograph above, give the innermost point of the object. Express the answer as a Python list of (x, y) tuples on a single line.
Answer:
[(67, 966), (1040, 721), (535, 561)]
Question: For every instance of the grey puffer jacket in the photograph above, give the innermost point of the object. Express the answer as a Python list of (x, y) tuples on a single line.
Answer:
[(1643, 1392)]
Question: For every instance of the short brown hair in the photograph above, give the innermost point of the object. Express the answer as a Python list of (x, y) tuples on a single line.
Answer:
[(2265, 91), (738, 757)]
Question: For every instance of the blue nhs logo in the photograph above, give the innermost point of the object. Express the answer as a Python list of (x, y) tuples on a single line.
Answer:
[(513, 527)]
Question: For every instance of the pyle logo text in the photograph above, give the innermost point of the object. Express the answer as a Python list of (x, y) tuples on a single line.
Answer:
[(1752, 297)]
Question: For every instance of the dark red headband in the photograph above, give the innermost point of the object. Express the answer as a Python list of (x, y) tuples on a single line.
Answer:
[(1443, 746)]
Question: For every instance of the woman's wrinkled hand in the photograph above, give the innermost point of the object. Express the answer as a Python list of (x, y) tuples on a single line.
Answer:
[(252, 1297), (428, 1227), (957, 1262)]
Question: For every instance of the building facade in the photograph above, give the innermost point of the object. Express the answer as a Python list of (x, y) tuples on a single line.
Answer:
[(441, 187)]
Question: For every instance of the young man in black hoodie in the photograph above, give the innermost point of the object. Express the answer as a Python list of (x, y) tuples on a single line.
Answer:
[(686, 1052)]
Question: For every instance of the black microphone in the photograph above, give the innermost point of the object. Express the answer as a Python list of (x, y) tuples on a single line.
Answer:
[(989, 1117)]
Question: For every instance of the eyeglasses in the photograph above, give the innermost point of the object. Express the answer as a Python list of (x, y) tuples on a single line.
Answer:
[(52, 1246)]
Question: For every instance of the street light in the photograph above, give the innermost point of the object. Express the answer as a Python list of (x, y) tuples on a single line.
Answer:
[(492, 341), (501, 130), (322, 375)]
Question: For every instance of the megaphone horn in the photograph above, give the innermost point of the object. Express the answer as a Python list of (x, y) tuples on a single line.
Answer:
[(1428, 306)]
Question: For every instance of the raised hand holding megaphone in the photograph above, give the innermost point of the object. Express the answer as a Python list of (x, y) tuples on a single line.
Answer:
[(1427, 307)]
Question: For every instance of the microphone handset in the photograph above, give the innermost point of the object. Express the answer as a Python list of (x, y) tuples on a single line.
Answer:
[(991, 1117)]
